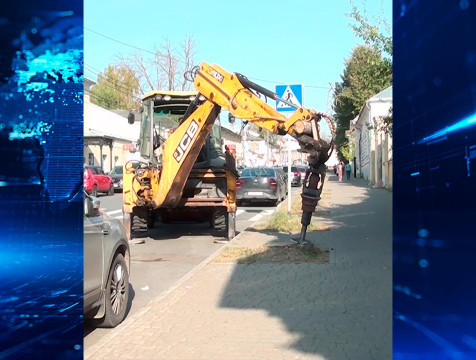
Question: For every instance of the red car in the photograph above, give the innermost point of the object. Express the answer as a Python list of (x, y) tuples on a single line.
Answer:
[(95, 180)]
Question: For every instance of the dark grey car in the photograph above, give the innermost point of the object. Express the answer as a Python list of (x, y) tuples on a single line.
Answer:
[(258, 184), (296, 179), (116, 175), (106, 266)]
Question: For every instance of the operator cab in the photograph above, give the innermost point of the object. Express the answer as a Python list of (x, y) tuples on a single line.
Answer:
[(162, 112)]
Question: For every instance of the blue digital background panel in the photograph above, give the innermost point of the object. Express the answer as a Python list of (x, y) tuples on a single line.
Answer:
[(41, 145), (434, 269)]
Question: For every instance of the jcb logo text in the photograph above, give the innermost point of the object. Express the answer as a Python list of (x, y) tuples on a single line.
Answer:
[(186, 141), (219, 77)]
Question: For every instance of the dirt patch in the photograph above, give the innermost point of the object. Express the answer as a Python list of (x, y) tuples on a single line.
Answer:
[(273, 254), (282, 222)]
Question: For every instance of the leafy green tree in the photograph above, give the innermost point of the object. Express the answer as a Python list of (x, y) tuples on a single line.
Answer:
[(378, 35), (366, 73), (117, 88)]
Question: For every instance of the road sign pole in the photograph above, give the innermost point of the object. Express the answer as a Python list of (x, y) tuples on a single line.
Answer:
[(289, 177)]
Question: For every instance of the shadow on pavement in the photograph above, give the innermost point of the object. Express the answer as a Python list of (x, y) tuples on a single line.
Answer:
[(176, 230), (337, 310)]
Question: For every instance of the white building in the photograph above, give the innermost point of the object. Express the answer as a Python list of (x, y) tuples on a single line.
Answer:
[(105, 133), (373, 147)]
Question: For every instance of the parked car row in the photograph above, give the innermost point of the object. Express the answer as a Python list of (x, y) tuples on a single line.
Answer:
[(95, 180)]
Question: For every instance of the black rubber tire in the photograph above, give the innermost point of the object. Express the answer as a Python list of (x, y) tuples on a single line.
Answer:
[(224, 223), (111, 190), (117, 293), (94, 191), (219, 221), (139, 223)]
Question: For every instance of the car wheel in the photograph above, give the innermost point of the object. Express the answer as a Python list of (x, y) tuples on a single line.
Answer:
[(111, 190), (94, 191), (117, 293)]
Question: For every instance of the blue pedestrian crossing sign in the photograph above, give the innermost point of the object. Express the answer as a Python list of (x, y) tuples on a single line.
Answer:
[(290, 93)]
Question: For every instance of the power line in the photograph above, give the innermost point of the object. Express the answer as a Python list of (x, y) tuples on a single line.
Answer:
[(120, 42), (102, 99), (156, 53), (114, 84), (118, 88), (279, 83)]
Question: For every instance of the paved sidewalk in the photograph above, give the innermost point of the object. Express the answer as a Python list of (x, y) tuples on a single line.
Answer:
[(341, 310)]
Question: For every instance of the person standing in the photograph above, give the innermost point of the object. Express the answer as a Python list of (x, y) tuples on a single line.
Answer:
[(340, 170), (348, 169)]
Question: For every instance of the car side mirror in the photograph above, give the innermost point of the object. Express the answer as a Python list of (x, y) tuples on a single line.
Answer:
[(91, 206), (131, 119)]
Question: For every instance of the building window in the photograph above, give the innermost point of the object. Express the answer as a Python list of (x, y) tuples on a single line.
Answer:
[(91, 159), (116, 160)]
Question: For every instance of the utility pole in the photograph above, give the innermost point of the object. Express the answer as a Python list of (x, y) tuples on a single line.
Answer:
[(267, 148), (243, 139)]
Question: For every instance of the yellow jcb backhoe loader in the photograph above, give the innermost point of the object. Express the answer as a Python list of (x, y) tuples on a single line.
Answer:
[(179, 170)]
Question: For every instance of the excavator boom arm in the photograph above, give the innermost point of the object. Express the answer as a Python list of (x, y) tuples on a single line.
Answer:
[(237, 94)]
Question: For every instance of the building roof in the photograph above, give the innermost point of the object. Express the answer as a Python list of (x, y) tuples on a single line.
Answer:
[(99, 121), (88, 84), (230, 132), (383, 95), (171, 93)]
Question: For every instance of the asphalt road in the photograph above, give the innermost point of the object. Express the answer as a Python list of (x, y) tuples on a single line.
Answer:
[(169, 253)]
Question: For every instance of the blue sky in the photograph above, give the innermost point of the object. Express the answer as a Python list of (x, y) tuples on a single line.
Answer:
[(271, 42)]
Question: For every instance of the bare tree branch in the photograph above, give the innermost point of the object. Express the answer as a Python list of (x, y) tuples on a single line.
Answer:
[(137, 65), (165, 70), (188, 52)]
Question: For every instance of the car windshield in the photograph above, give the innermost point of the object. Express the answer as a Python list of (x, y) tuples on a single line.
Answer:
[(258, 172), (117, 170), (95, 170)]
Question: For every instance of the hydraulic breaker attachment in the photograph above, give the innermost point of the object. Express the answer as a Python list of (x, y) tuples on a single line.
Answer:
[(311, 194)]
